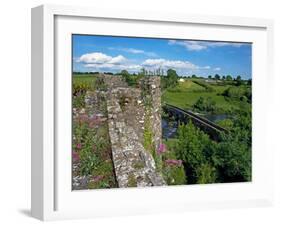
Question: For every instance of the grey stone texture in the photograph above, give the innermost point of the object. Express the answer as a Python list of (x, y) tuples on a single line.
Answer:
[(134, 166)]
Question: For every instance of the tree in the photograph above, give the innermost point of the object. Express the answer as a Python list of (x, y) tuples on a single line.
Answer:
[(223, 77), (228, 78), (210, 77), (217, 77), (236, 158), (249, 82), (128, 78), (172, 78), (196, 149), (142, 72), (238, 80), (193, 76)]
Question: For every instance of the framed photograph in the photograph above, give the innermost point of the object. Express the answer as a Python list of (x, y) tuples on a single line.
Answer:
[(135, 112)]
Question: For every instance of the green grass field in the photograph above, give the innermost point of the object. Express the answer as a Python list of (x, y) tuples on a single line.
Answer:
[(84, 80), (185, 95)]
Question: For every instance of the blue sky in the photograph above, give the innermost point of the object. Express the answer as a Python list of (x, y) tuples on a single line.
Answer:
[(187, 57)]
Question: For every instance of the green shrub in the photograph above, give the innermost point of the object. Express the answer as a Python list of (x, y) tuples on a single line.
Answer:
[(206, 174), (174, 175), (226, 123), (205, 105), (241, 93)]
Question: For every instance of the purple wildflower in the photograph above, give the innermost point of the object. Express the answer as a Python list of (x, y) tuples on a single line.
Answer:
[(79, 146)]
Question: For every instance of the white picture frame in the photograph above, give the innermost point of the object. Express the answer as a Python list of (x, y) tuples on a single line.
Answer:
[(52, 197)]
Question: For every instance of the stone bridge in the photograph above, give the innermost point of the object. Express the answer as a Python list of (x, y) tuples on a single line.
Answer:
[(206, 125)]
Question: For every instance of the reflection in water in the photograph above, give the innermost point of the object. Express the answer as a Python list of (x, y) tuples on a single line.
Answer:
[(169, 128)]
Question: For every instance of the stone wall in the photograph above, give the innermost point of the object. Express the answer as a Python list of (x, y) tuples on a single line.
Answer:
[(134, 166), (152, 85)]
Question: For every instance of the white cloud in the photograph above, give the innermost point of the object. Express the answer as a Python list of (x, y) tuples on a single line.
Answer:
[(102, 62), (202, 45), (99, 61), (217, 69), (100, 58), (176, 64), (135, 51)]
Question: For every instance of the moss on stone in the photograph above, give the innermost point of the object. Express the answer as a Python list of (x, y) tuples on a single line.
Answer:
[(139, 165), (132, 181)]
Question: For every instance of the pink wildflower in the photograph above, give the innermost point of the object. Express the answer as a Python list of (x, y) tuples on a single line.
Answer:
[(75, 156), (79, 146), (161, 149), (173, 162), (94, 121), (83, 118), (97, 178)]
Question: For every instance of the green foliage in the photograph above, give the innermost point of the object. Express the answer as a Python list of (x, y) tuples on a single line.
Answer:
[(132, 79), (236, 160), (228, 78), (217, 77), (206, 174), (192, 145), (226, 123), (80, 87), (91, 143), (242, 93), (249, 82), (235, 149), (147, 134), (173, 174), (171, 80), (81, 84), (205, 105), (238, 80), (79, 101), (208, 162), (148, 142), (91, 146), (103, 176), (89, 161)]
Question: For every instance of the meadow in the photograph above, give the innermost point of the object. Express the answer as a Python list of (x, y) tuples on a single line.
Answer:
[(185, 94)]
